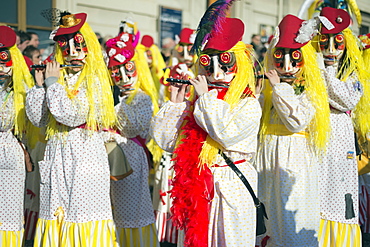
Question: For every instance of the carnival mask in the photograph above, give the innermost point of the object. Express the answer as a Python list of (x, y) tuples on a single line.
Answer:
[(220, 68), (74, 49), (125, 75), (5, 67), (149, 57), (332, 47), (182, 52), (288, 63)]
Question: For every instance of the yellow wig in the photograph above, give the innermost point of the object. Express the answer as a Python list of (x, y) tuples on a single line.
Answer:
[(353, 64), (97, 79), (22, 79), (314, 86), (244, 78)]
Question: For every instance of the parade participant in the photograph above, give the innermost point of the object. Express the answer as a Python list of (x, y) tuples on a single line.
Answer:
[(154, 58), (15, 80), (75, 103), (210, 203), (294, 129), (338, 184), (131, 201)]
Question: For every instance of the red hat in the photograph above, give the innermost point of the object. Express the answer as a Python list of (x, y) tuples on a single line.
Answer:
[(231, 33), (7, 37), (187, 36), (119, 52), (339, 20), (288, 32), (147, 41), (71, 24)]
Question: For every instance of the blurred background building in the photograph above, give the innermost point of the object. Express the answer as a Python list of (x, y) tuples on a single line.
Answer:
[(157, 18)]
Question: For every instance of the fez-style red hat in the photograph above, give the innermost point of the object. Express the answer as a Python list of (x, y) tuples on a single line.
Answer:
[(119, 52), (339, 18), (147, 41), (7, 37), (71, 24), (231, 33), (288, 32), (186, 36)]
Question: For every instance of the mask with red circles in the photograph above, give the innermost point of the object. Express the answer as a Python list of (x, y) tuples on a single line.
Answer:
[(287, 62), (220, 68), (332, 47)]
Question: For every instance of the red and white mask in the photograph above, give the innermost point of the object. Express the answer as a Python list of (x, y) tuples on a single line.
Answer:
[(124, 75), (74, 49), (182, 53), (332, 47), (5, 66), (220, 68), (287, 62)]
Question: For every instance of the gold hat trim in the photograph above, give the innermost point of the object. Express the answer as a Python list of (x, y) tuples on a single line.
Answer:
[(69, 21)]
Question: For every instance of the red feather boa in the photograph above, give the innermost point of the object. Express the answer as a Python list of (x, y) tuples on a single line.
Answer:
[(192, 190)]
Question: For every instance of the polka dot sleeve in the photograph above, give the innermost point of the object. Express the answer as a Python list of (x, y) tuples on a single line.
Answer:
[(166, 124), (36, 107), (227, 127), (343, 95), (295, 111)]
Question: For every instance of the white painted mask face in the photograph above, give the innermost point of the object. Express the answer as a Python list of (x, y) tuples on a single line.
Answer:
[(287, 62), (220, 67), (183, 54), (74, 50), (125, 75), (332, 47)]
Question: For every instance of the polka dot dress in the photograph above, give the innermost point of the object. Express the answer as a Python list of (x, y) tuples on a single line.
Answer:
[(232, 214), (12, 169), (287, 173), (75, 171), (338, 179)]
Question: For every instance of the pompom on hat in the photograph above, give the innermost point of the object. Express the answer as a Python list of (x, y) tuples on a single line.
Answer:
[(70, 23), (365, 40), (334, 20), (7, 37), (119, 52), (224, 39), (147, 41)]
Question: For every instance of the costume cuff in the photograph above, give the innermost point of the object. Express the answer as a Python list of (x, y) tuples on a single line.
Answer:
[(51, 80)]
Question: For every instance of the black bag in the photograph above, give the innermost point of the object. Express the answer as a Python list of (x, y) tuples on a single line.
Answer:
[(261, 211)]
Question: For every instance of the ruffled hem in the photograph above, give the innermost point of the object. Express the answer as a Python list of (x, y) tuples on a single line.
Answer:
[(138, 237), (11, 238), (167, 232), (336, 234), (51, 233)]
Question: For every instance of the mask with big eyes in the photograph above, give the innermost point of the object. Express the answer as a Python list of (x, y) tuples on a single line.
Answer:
[(125, 75), (287, 62), (183, 54), (5, 66), (220, 68), (74, 49), (149, 57), (332, 47)]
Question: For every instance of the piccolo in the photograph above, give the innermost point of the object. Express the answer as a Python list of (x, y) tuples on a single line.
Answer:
[(188, 82), (43, 66)]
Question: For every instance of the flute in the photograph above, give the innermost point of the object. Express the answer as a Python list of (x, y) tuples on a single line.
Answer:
[(43, 66), (188, 82)]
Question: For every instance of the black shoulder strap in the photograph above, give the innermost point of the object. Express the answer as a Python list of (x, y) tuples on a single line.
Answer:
[(231, 164)]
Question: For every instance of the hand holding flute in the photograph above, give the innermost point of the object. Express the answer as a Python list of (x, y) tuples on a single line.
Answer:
[(52, 69)]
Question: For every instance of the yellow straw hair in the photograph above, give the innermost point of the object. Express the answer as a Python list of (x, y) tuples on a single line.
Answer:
[(356, 11), (353, 63), (22, 79), (144, 81), (97, 80), (314, 86), (244, 78)]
